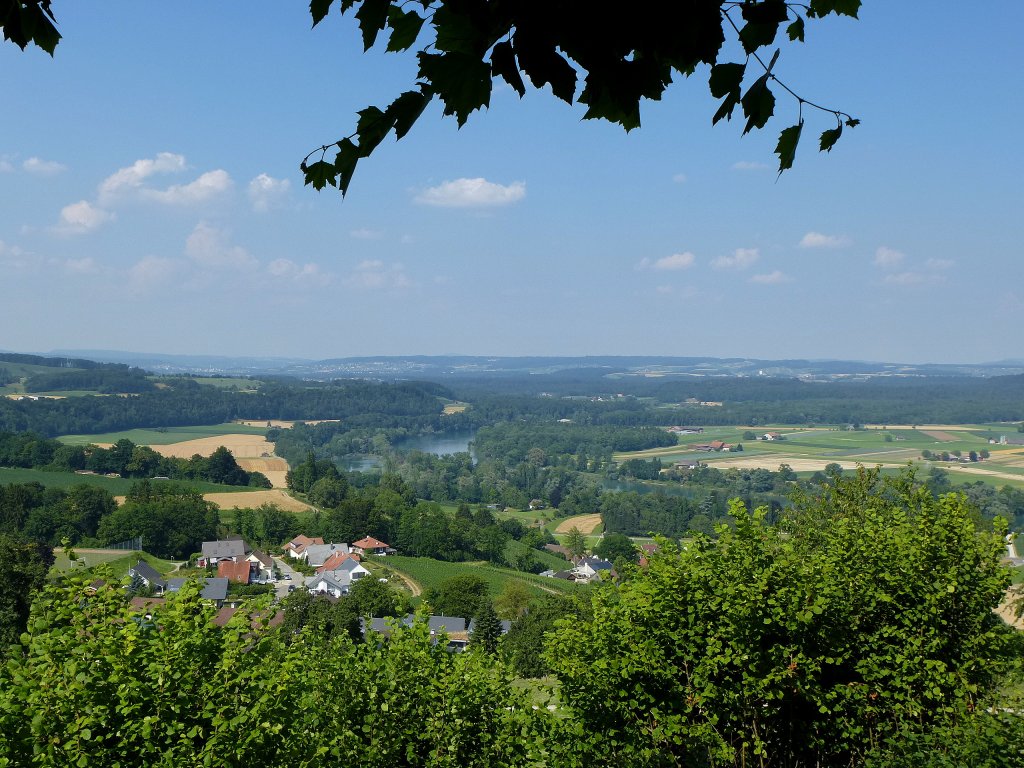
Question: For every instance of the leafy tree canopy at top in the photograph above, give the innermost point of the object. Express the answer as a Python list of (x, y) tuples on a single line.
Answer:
[(607, 61)]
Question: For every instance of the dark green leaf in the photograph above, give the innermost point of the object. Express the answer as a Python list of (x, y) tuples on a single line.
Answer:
[(726, 109), (786, 148), (372, 127), (407, 108), (319, 9), (758, 104), (852, 122), (458, 31), (796, 29), (373, 16), (405, 28), (345, 164), (543, 64), (821, 8), (830, 137), (503, 63), (726, 79), (320, 174), (763, 20), (463, 82)]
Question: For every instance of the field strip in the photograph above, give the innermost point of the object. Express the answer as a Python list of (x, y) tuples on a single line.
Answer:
[(923, 427), (989, 472), (241, 446), (254, 453), (282, 424), (276, 497), (585, 523), (795, 463)]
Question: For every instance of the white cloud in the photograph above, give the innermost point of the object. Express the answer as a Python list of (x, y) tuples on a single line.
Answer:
[(6, 166), (266, 192), (376, 275), (675, 261), (366, 234), (818, 240), (13, 256), (81, 217), (472, 193), (771, 278), (741, 259), (664, 289), (888, 258), (84, 266), (679, 178), (151, 272), (39, 167), (210, 184), (131, 178), (749, 165), (288, 269), (939, 263), (209, 247)]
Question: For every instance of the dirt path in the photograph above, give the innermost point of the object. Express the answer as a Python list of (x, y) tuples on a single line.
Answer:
[(586, 524), (415, 588)]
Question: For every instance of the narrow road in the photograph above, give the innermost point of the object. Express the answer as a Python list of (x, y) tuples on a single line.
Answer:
[(289, 577)]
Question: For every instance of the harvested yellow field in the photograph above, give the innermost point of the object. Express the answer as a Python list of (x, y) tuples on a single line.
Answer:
[(280, 424), (275, 469), (256, 498), (943, 436), (773, 461), (585, 523), (242, 446), (451, 408)]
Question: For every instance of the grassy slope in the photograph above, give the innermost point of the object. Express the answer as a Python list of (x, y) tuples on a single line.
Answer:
[(430, 574), (119, 562)]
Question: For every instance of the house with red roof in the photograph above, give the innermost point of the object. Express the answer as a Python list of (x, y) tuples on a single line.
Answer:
[(371, 546), (237, 572)]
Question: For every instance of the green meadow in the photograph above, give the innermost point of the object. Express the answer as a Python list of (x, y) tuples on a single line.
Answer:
[(117, 486), (430, 574), (164, 435)]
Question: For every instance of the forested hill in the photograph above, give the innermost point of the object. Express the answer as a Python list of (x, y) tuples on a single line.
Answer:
[(185, 402), (58, 362)]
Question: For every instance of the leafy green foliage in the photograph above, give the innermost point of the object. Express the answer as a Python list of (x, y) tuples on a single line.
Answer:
[(621, 59), (23, 568), (102, 685), (863, 617)]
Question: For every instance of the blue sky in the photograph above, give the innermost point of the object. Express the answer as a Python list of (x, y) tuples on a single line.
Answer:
[(152, 200)]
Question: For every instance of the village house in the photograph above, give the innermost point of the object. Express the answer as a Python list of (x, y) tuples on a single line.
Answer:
[(297, 546), (239, 572), (264, 564), (371, 546), (215, 551), (315, 555), (215, 590), (145, 576)]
